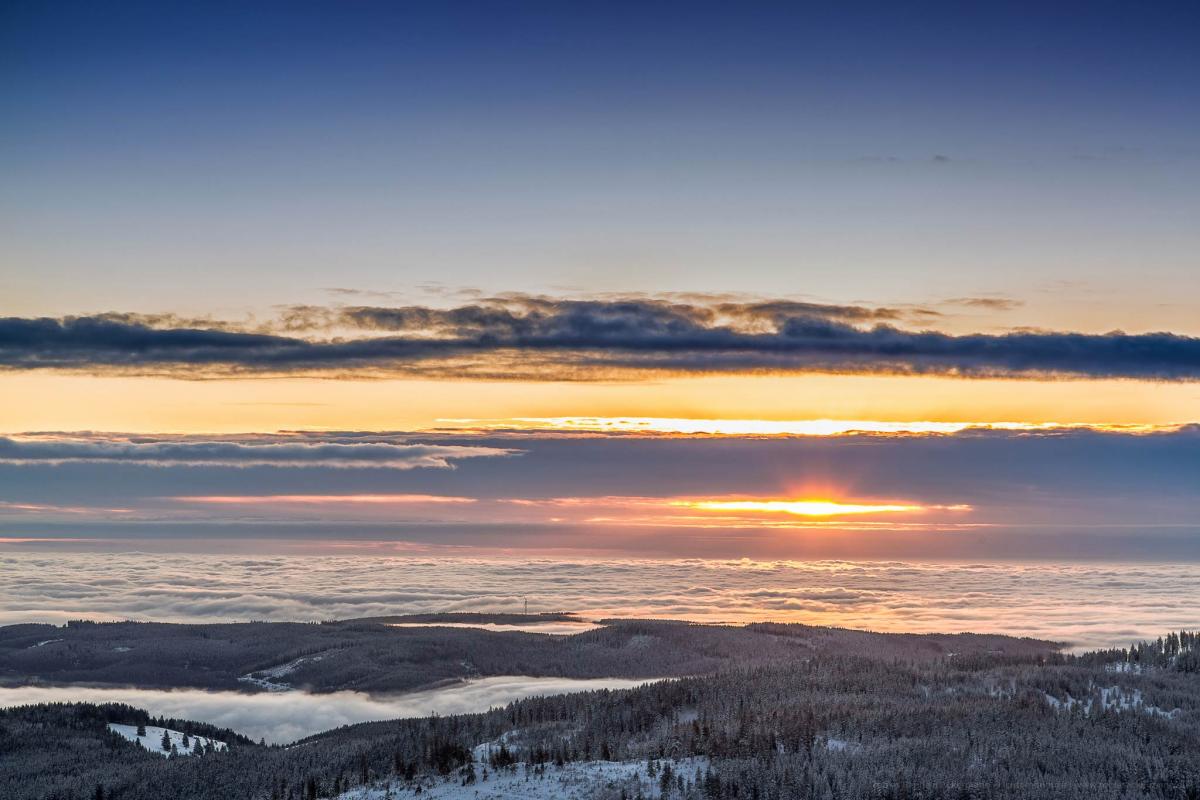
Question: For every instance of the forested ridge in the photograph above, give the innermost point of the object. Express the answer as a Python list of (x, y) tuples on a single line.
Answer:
[(848, 726), (1179, 651), (373, 656)]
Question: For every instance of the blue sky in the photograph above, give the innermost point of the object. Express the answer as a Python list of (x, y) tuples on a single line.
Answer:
[(219, 158)]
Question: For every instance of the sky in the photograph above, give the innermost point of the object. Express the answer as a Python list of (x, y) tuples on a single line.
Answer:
[(783, 280)]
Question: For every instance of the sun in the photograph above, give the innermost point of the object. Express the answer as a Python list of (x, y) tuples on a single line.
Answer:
[(810, 508)]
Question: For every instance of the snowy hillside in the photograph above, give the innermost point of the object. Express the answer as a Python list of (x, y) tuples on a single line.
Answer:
[(581, 780), (266, 678), (153, 740), (1110, 698)]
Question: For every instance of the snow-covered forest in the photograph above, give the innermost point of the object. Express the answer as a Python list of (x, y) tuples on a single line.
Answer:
[(1113, 724)]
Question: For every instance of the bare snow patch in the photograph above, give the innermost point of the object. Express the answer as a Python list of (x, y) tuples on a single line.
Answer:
[(578, 780), (152, 740), (268, 678), (1111, 698), (842, 745)]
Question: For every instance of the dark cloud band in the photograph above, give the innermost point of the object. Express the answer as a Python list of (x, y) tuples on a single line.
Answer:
[(584, 339)]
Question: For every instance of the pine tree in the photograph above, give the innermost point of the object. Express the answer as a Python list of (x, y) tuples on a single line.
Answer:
[(665, 781), (166, 741)]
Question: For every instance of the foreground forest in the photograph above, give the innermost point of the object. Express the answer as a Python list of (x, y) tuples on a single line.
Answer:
[(1112, 724)]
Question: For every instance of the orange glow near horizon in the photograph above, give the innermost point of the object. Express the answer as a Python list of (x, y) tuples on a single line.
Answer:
[(326, 499), (763, 427), (809, 508), (40, 508), (49, 402), (728, 510), (676, 511)]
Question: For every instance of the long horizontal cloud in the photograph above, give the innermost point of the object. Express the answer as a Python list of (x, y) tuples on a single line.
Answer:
[(584, 339), (236, 454)]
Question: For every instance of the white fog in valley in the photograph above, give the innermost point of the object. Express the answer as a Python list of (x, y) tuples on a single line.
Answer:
[(284, 717), (1087, 605)]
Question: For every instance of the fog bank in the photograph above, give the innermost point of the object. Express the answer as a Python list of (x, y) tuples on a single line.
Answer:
[(287, 716)]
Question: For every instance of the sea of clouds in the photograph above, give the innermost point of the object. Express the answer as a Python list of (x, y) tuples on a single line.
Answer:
[(1084, 604)]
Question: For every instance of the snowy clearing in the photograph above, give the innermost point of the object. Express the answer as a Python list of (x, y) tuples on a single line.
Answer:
[(1125, 666), (153, 740), (1111, 698), (267, 678), (842, 746), (575, 781)]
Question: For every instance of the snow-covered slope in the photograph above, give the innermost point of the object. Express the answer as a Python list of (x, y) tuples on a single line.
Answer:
[(575, 781), (266, 678), (1111, 698), (153, 739)]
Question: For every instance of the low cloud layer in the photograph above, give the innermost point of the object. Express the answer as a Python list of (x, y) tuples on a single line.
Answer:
[(532, 337), (284, 718), (1009, 597), (189, 452)]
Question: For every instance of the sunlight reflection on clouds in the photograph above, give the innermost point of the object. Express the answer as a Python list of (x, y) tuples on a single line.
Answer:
[(1085, 604)]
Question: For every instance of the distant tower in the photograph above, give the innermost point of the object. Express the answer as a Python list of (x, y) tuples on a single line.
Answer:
[(526, 599)]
